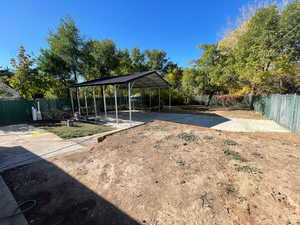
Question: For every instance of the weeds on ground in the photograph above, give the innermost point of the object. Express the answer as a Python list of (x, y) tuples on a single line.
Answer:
[(157, 144), (248, 169), (230, 142), (176, 146), (180, 162), (257, 155), (235, 155), (187, 137), (208, 137), (229, 188), (168, 137)]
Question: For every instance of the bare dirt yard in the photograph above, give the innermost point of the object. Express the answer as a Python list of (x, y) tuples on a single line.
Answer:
[(164, 173)]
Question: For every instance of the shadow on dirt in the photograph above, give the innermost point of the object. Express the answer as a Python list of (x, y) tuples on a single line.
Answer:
[(61, 199)]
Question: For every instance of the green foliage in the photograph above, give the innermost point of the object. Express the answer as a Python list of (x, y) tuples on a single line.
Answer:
[(66, 44), (247, 169), (187, 137), (26, 79), (230, 142), (99, 58), (235, 155)]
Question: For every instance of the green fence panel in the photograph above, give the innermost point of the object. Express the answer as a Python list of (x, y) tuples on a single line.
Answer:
[(15, 111), (283, 109)]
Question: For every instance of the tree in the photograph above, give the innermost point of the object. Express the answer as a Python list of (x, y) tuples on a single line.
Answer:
[(26, 79), (65, 44), (157, 60), (174, 77), (138, 60), (125, 65), (99, 58), (57, 71)]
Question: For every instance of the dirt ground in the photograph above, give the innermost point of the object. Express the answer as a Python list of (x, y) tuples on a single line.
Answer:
[(164, 173), (219, 111)]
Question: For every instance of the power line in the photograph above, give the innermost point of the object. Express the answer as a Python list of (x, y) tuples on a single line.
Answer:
[(285, 35)]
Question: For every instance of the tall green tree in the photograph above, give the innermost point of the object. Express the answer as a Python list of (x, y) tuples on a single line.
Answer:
[(26, 79), (65, 45), (99, 58)]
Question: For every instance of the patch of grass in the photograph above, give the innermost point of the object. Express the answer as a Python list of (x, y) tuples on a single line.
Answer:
[(180, 162), (257, 155), (187, 137), (248, 169), (208, 137), (230, 142), (78, 130), (235, 155)]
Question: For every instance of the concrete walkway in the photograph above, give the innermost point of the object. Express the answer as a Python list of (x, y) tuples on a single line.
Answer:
[(8, 206), (22, 144)]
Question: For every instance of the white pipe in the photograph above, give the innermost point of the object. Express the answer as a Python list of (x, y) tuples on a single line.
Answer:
[(86, 107), (78, 98), (116, 105), (104, 102), (159, 99), (95, 104), (129, 100), (169, 99), (150, 98), (72, 103)]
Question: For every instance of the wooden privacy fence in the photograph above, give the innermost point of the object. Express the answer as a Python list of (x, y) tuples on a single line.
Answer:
[(283, 109)]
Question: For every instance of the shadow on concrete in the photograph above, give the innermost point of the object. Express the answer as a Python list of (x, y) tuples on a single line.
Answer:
[(61, 199), (15, 128), (203, 120)]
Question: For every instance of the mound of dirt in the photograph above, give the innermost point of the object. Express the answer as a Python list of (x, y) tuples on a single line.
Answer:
[(164, 173)]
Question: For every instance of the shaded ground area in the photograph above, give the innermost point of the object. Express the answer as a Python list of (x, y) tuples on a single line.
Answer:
[(165, 173), (21, 144), (210, 120)]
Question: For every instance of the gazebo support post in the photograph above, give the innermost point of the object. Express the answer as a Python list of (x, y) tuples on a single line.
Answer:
[(129, 100), (86, 106), (78, 99), (159, 99), (150, 98), (95, 104), (72, 103), (116, 104), (104, 102), (169, 99)]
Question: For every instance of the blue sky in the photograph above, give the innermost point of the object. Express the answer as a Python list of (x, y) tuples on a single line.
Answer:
[(174, 26)]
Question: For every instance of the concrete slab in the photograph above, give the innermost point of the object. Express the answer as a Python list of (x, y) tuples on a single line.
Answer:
[(202, 120), (8, 206), (22, 144)]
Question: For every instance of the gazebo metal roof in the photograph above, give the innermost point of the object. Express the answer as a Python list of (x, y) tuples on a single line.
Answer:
[(149, 79)]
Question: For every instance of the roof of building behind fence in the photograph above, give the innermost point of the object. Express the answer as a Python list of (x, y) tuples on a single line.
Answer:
[(149, 79)]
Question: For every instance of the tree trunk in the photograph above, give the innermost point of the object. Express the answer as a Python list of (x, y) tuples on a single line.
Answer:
[(209, 98), (251, 100)]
